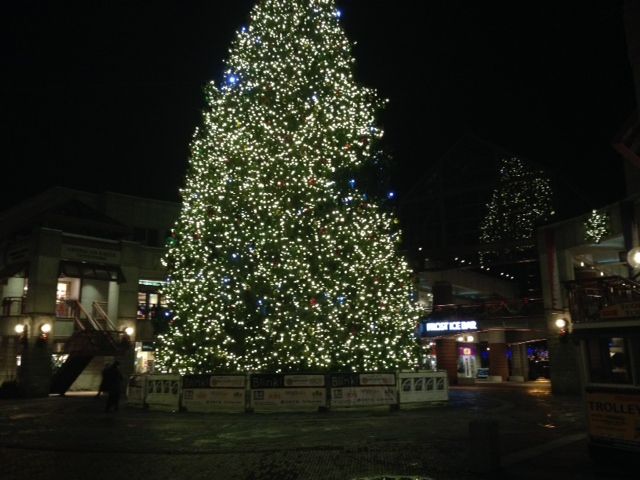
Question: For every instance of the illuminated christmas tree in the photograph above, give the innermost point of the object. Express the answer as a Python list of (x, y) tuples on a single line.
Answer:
[(521, 200), (279, 262), (597, 226)]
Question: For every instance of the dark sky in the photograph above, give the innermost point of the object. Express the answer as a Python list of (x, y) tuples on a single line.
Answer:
[(104, 95)]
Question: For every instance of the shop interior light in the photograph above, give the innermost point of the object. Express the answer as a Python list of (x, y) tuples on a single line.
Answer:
[(461, 339), (45, 328), (19, 329), (129, 331), (470, 338)]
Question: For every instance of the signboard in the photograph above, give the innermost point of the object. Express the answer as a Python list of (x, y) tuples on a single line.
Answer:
[(163, 392), (614, 419), (445, 327), (621, 310), (428, 386), (136, 391), (362, 389), (213, 393), (279, 392), (90, 254)]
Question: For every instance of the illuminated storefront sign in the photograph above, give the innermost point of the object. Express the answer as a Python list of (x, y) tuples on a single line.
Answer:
[(452, 326)]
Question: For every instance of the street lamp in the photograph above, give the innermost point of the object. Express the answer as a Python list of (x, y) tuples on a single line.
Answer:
[(633, 258), (561, 323)]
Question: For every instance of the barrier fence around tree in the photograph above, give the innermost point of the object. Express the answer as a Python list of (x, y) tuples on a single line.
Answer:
[(285, 392)]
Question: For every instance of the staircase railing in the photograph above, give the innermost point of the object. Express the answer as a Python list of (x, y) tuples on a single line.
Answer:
[(78, 310), (95, 333), (90, 340), (592, 300), (101, 314)]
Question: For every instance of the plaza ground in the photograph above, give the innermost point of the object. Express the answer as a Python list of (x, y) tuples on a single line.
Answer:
[(71, 437)]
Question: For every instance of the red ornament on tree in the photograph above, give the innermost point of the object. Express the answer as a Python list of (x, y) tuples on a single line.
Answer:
[(313, 301)]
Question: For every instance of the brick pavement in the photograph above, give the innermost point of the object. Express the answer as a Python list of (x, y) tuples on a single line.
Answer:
[(72, 438)]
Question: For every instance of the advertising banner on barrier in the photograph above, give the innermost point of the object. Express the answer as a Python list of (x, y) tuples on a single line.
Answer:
[(427, 386), (163, 392), (279, 392), (362, 389), (136, 390), (213, 393)]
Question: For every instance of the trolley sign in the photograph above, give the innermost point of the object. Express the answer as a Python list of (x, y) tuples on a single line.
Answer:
[(614, 419)]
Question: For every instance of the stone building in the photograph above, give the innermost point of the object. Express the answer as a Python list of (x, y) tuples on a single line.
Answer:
[(80, 277)]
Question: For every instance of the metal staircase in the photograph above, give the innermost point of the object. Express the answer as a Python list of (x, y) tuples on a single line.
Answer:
[(95, 335)]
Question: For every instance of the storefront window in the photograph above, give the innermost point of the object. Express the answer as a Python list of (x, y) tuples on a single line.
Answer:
[(608, 360)]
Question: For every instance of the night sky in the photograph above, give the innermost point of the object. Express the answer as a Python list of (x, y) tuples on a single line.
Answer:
[(105, 95)]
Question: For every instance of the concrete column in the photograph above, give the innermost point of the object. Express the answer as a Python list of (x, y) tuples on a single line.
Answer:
[(43, 272), (563, 366), (128, 302), (519, 363), (447, 356), (34, 372), (114, 298), (13, 288), (128, 291), (631, 19), (498, 365), (8, 352)]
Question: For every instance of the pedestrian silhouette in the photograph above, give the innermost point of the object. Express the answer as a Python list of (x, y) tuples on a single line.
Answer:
[(113, 385), (102, 388)]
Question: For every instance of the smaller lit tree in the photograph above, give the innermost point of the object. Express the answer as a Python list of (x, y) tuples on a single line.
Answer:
[(596, 226), (522, 199)]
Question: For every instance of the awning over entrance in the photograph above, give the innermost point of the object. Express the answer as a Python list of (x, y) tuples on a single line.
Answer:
[(9, 271), (91, 271)]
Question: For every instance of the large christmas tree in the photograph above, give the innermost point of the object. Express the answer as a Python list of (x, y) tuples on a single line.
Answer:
[(279, 262)]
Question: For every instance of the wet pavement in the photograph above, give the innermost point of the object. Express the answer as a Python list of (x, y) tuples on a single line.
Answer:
[(71, 437)]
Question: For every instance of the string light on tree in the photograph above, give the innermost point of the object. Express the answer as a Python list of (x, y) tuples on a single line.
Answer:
[(522, 199), (597, 226), (289, 266)]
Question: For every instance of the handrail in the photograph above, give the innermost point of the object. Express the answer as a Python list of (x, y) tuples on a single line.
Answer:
[(494, 308), (589, 297), (80, 309), (7, 306), (98, 308)]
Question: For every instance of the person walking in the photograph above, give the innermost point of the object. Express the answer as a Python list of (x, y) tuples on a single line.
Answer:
[(113, 386), (102, 388)]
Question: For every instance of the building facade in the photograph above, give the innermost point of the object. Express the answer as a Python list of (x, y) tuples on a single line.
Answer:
[(570, 254), (81, 277)]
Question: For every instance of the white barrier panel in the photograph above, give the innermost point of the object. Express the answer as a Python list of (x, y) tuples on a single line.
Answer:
[(287, 392), (136, 390), (163, 392), (426, 386), (362, 389), (214, 393)]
